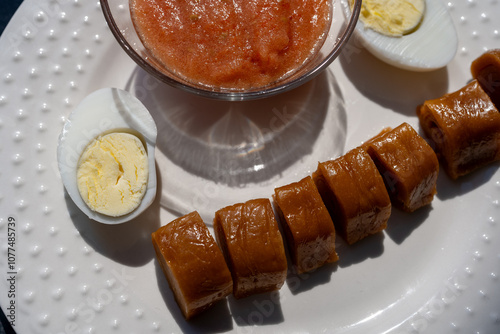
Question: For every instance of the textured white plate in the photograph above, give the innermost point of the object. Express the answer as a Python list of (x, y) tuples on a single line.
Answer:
[(434, 271)]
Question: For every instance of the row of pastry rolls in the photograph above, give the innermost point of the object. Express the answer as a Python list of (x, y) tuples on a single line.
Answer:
[(352, 195)]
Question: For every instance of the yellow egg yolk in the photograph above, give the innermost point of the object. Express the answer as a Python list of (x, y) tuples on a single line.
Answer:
[(392, 17), (112, 174)]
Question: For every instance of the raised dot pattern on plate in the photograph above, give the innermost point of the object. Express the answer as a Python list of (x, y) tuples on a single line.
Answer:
[(46, 68), (52, 42)]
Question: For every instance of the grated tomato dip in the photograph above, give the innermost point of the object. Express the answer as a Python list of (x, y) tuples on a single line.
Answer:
[(232, 44)]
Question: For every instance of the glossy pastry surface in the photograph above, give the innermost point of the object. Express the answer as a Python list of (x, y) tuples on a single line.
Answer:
[(464, 127), (250, 239), (307, 224), (193, 264), (486, 70), (408, 165), (355, 195)]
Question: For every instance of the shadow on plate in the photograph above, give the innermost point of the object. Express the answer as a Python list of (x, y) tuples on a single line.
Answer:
[(370, 247), (242, 142), (399, 90), (257, 310), (298, 283), (401, 224), (217, 319), (449, 189), (128, 243)]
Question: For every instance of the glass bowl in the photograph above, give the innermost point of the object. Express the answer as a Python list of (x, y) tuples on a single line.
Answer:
[(118, 17)]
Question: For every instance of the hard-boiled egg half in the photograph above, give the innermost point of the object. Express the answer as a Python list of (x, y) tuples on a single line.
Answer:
[(106, 156), (415, 35)]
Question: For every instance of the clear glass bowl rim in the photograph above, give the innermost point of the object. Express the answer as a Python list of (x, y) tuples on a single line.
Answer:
[(236, 95)]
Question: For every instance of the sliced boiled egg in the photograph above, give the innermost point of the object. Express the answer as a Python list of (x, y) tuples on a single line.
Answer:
[(414, 35), (106, 156)]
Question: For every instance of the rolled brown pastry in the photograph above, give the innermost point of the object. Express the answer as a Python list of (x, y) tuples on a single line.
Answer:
[(355, 195), (250, 239), (407, 164), (192, 263), (464, 127), (307, 224), (486, 70)]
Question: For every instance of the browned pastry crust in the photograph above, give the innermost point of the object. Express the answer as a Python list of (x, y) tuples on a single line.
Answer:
[(486, 70), (307, 224), (355, 195), (408, 165), (250, 239), (464, 127), (192, 263)]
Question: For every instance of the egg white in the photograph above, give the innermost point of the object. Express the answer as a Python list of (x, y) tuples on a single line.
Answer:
[(104, 111), (431, 46)]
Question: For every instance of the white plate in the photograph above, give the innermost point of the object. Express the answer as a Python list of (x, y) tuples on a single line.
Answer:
[(435, 271)]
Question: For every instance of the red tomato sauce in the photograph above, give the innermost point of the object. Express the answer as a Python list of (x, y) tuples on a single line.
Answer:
[(232, 44)]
